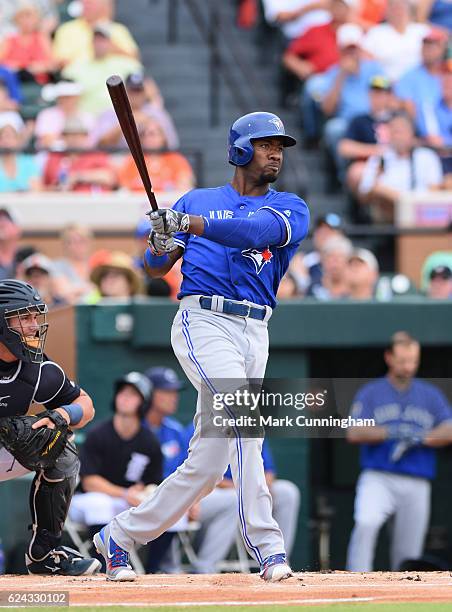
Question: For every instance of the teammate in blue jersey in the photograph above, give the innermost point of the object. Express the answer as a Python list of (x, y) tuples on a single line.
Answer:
[(236, 242), (412, 418)]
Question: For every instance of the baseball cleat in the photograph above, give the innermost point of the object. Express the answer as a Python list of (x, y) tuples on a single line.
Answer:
[(275, 568), (63, 561), (116, 558)]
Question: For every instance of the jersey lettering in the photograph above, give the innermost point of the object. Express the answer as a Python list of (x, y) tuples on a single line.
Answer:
[(221, 214)]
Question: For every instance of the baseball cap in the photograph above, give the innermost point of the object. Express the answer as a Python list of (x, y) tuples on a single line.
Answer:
[(333, 220), (435, 35), (52, 91), (365, 256), (4, 212), (102, 29), (350, 3), (12, 119), (164, 378), (38, 261), (135, 81), (349, 35), (443, 272), (380, 82)]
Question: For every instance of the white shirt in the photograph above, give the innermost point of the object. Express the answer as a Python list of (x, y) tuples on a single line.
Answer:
[(419, 173), (396, 52), (296, 27)]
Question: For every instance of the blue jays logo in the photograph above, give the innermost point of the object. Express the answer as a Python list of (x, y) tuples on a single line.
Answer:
[(277, 123), (259, 258)]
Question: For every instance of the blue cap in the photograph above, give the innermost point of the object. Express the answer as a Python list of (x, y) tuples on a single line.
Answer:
[(164, 378)]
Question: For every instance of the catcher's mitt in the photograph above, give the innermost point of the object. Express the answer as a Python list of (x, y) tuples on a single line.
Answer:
[(35, 449)]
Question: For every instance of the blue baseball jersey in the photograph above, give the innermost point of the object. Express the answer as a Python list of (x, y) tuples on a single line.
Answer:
[(171, 436), (414, 411), (254, 274)]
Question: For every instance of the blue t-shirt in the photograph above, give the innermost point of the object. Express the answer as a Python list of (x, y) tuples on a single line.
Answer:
[(26, 169), (210, 268), (416, 411), (354, 97), (421, 87), (172, 440), (441, 14), (11, 80), (437, 120)]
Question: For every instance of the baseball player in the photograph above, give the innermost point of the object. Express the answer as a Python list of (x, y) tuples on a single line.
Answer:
[(28, 377), (236, 242), (412, 418)]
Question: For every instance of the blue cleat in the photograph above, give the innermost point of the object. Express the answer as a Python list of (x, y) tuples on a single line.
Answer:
[(116, 558), (275, 568)]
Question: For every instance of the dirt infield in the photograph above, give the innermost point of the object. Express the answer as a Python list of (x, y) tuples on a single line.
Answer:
[(309, 588)]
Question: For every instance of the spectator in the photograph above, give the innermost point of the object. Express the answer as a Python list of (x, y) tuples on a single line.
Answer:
[(412, 418), (396, 44), (78, 168), (10, 233), (316, 50), (28, 51), (37, 269), (170, 170), (367, 134), (18, 171), (403, 167), (334, 256), (145, 101), (294, 17), (11, 81), (287, 288), (362, 275), (440, 287), (307, 269), (119, 457), (421, 85), (434, 260), (435, 124), (50, 122), (437, 12), (168, 285), (344, 89), (73, 270), (46, 8), (92, 73), (7, 104), (114, 277), (74, 39)]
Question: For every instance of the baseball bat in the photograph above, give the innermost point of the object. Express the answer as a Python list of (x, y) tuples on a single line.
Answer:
[(123, 110)]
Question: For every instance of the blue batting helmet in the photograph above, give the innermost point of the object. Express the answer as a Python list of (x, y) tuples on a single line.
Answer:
[(251, 127)]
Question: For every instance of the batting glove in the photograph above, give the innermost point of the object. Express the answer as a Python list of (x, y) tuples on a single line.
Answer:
[(169, 221), (160, 244)]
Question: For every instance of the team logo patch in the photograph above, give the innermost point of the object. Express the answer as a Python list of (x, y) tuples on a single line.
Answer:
[(277, 123), (259, 258)]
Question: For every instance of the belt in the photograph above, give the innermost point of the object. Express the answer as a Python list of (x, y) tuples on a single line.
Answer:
[(239, 309)]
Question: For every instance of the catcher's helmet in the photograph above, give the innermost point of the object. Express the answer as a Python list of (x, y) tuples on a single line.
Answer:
[(19, 301), (251, 127), (141, 383)]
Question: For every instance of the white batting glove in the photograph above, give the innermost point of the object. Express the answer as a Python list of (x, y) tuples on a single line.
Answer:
[(169, 221), (161, 243)]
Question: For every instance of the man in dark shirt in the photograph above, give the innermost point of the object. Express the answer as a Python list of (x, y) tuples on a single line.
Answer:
[(28, 377), (119, 459)]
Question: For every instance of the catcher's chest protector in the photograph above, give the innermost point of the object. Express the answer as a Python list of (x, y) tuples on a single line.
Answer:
[(17, 388)]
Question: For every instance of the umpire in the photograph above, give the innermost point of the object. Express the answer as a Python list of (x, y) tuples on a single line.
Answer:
[(43, 443)]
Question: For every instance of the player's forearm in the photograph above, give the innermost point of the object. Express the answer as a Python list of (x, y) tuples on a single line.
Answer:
[(366, 435), (80, 411), (439, 436), (99, 484), (257, 231), (157, 266)]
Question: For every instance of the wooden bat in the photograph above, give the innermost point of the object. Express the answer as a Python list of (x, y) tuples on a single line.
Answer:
[(123, 110)]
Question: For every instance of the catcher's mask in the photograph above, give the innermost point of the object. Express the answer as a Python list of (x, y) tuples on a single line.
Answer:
[(23, 320)]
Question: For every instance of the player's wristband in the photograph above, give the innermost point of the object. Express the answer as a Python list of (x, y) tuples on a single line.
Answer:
[(75, 412), (155, 261)]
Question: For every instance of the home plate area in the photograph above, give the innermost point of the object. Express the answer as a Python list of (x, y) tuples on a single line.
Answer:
[(235, 589)]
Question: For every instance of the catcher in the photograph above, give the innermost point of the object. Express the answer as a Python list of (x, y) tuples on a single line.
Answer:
[(40, 443)]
